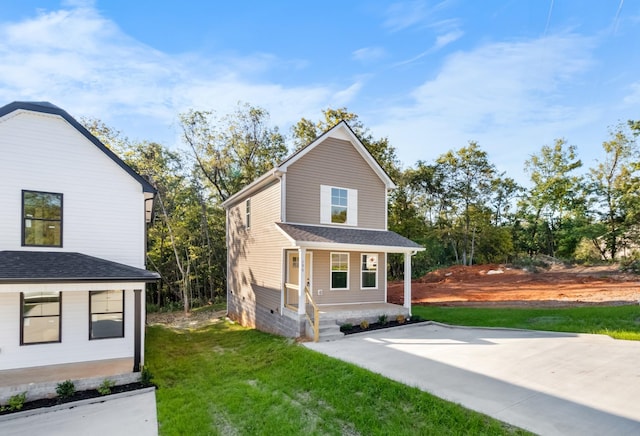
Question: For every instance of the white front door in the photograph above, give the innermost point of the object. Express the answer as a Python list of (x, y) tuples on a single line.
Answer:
[(293, 274)]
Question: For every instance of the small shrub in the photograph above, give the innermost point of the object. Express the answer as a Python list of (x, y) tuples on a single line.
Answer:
[(346, 327), (400, 319), (364, 324), (66, 389), (16, 402), (146, 377), (105, 387), (383, 319)]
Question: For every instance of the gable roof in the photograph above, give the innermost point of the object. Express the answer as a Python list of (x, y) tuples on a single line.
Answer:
[(46, 266), (344, 238), (339, 131), (47, 108)]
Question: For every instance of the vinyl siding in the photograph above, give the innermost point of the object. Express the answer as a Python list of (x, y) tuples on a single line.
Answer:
[(256, 254), (75, 345), (321, 167), (103, 206), (355, 294)]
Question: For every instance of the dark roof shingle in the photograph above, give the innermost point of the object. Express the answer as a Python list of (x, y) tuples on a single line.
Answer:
[(347, 236), (45, 266)]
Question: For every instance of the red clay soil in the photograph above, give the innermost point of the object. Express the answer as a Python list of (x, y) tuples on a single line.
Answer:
[(499, 285)]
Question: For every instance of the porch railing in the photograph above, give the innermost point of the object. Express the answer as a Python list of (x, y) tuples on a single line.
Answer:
[(315, 323), (288, 287)]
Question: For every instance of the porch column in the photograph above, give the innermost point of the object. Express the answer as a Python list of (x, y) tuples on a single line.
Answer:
[(302, 298), (407, 280)]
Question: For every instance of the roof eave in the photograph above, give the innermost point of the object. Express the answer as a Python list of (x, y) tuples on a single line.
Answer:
[(355, 247)]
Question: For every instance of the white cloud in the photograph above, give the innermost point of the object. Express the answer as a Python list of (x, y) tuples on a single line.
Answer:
[(368, 54), (405, 14), (79, 60), (447, 38), (633, 98), (507, 95)]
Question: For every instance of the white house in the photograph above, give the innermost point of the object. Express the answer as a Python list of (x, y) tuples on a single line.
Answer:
[(72, 251)]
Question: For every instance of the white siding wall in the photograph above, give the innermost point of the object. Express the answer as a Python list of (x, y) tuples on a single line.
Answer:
[(75, 345), (103, 206)]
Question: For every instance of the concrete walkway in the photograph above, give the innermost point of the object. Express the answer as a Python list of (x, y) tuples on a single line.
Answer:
[(547, 383), (129, 413)]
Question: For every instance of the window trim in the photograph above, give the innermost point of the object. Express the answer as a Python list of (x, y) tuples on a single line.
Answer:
[(91, 313), (331, 270), (22, 318), (247, 213), (363, 271), (24, 218), (326, 204)]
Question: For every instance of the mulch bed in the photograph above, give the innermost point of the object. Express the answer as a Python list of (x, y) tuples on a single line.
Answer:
[(79, 395), (379, 326)]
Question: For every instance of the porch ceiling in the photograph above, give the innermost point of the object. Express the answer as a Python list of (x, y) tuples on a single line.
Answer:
[(346, 238)]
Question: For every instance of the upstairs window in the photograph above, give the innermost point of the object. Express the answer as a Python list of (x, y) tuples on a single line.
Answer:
[(106, 312), (40, 317), (338, 205), (369, 271), (41, 219), (248, 213)]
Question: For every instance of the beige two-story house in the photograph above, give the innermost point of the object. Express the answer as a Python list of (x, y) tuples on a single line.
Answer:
[(308, 242)]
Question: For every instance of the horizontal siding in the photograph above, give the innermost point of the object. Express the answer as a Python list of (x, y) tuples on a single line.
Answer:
[(334, 162), (75, 345), (103, 206), (355, 294), (255, 254)]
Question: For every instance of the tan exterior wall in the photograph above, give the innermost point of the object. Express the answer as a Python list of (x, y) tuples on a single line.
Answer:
[(255, 255), (355, 294), (320, 167)]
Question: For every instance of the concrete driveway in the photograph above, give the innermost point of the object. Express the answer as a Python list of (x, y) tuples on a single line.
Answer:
[(547, 383), (128, 413)]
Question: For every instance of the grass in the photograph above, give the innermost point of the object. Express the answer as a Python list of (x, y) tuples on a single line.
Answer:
[(226, 379), (619, 322)]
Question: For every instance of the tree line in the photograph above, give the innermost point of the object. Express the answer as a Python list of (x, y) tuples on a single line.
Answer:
[(458, 206)]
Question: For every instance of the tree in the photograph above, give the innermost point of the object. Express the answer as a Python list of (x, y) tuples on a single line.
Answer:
[(555, 192), (232, 151), (611, 183), (468, 178)]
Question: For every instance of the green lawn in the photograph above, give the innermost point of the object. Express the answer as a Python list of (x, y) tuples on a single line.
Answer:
[(225, 379), (620, 322)]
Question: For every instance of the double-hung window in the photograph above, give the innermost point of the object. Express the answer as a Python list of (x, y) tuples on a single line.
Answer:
[(40, 317), (106, 314), (248, 213), (338, 205), (41, 219), (339, 271), (369, 271)]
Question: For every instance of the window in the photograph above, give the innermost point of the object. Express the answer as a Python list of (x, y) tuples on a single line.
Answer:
[(338, 205), (248, 213), (339, 270), (369, 271), (40, 317), (41, 219), (106, 314)]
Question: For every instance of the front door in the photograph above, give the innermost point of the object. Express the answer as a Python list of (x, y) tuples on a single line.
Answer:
[(293, 274)]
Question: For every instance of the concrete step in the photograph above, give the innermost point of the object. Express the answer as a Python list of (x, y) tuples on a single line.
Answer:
[(328, 331)]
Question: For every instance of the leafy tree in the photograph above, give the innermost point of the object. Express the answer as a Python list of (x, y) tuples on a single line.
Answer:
[(233, 150), (612, 185), (554, 193)]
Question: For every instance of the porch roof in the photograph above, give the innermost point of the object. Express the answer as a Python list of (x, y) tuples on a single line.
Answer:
[(46, 266), (344, 238)]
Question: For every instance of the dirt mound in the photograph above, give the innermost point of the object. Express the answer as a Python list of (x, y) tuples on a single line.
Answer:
[(493, 284)]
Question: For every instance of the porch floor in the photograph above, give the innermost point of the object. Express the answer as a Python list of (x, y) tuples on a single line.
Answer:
[(68, 371)]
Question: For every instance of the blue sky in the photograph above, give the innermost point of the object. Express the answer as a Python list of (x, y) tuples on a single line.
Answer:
[(430, 75)]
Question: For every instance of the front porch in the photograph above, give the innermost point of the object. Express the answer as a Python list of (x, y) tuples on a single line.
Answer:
[(356, 313)]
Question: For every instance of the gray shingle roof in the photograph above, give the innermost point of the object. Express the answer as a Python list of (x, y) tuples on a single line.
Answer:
[(346, 236), (45, 266)]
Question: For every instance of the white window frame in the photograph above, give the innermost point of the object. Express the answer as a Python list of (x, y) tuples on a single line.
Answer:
[(331, 271), (325, 206), (362, 270), (247, 213)]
